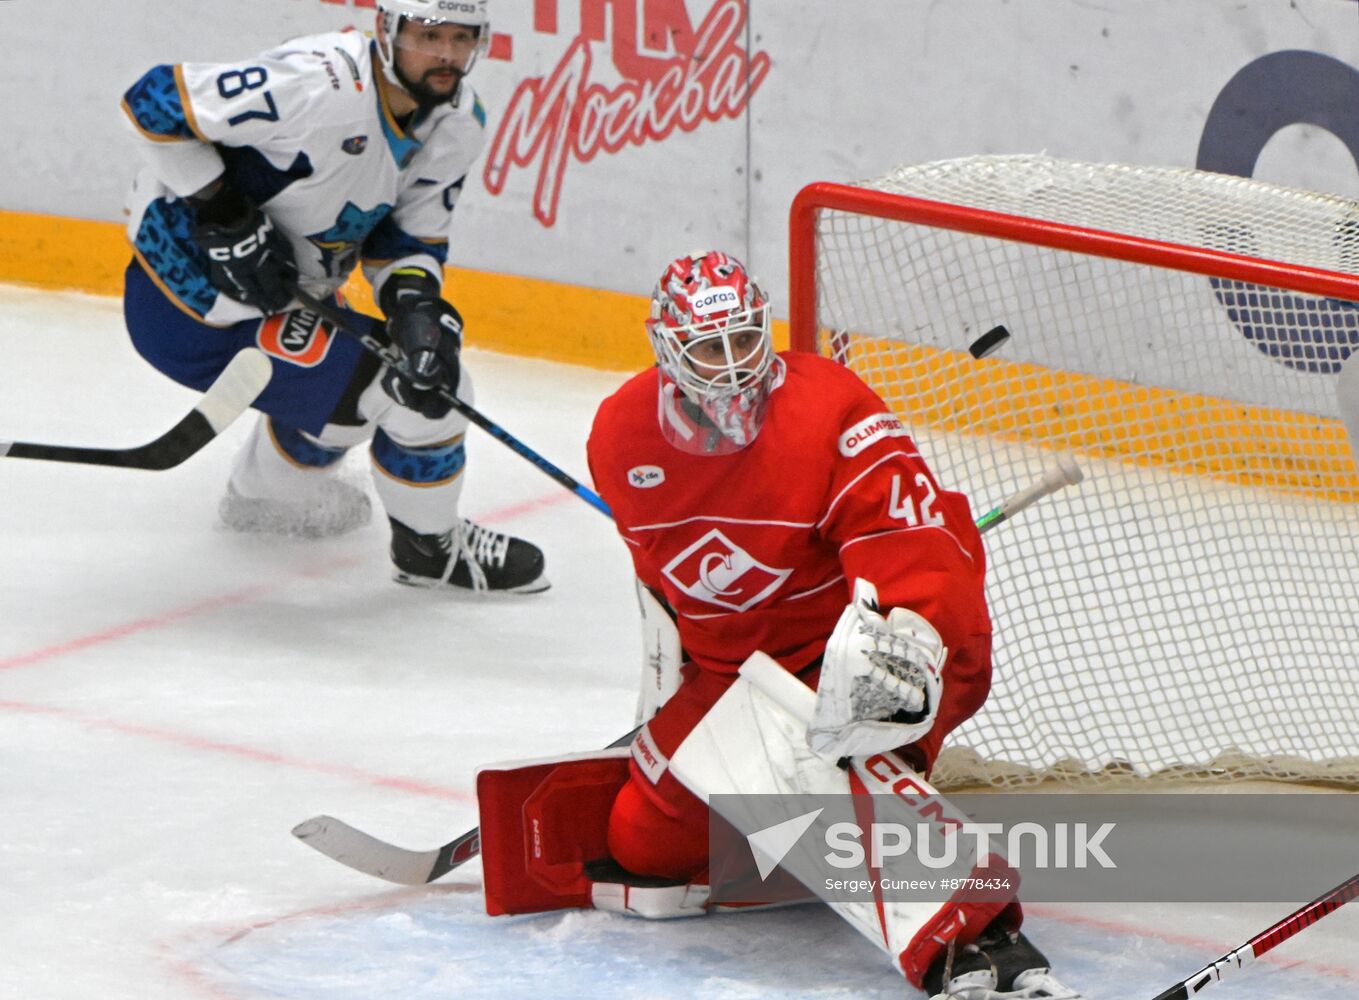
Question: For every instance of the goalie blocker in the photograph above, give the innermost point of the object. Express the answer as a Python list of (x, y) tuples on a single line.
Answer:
[(544, 823)]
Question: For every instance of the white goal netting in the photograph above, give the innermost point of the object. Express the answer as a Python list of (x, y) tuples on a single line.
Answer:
[(1191, 609)]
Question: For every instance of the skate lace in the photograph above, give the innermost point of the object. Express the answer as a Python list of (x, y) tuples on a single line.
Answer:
[(478, 547), (487, 547)]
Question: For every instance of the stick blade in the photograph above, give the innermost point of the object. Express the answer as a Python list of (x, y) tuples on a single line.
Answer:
[(239, 385), (355, 849)]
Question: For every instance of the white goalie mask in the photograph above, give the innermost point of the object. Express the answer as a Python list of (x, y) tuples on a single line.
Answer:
[(393, 13), (710, 330)]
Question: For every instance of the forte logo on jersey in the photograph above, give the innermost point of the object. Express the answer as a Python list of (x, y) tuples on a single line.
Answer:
[(715, 570)]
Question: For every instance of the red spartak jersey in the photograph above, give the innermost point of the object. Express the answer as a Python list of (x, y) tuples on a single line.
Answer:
[(759, 549)]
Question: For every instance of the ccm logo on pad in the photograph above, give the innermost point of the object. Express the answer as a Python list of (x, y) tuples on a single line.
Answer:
[(866, 432), (716, 300)]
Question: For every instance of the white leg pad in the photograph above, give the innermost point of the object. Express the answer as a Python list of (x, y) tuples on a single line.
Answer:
[(754, 741)]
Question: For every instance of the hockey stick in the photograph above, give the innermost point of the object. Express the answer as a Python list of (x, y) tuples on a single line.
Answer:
[(239, 384), (1233, 961), (363, 852), (1063, 472), (340, 321)]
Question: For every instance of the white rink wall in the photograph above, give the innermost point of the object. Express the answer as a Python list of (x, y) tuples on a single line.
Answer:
[(798, 91)]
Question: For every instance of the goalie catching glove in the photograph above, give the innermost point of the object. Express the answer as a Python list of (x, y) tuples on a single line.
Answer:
[(428, 333), (880, 680)]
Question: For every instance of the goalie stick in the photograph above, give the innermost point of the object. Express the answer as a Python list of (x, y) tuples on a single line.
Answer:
[(1233, 961), (239, 385), (340, 321), (363, 852), (1063, 472)]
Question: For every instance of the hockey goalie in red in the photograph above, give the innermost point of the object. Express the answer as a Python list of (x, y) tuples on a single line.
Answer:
[(771, 504)]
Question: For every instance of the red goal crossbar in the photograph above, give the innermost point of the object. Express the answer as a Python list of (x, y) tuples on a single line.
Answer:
[(826, 196)]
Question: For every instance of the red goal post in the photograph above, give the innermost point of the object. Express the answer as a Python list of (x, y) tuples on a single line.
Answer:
[(1190, 611)]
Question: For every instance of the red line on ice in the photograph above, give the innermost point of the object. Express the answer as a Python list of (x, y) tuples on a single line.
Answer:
[(243, 596), (149, 624), (206, 606), (254, 754)]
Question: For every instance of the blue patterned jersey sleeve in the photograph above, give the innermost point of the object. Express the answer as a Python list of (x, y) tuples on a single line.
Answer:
[(155, 105)]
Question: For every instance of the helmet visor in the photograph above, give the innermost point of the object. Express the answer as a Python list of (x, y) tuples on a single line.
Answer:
[(446, 40)]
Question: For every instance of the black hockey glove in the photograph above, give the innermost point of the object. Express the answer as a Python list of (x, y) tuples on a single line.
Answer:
[(428, 333), (248, 259)]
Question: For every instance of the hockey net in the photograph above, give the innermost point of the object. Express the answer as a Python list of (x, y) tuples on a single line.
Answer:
[(1192, 609)]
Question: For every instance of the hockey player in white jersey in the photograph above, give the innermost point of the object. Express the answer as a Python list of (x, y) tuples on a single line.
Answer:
[(291, 168)]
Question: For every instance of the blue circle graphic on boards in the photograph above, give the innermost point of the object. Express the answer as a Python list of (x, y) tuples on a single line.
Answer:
[(1292, 87)]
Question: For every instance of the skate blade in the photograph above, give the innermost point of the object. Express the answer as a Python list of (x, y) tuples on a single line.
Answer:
[(535, 586)]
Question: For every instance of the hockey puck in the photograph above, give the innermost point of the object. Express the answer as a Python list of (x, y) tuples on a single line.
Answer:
[(989, 342)]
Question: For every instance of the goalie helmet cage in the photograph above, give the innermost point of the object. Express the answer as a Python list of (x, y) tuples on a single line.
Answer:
[(1191, 610)]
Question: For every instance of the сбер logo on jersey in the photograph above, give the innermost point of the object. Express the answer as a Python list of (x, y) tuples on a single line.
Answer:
[(645, 477)]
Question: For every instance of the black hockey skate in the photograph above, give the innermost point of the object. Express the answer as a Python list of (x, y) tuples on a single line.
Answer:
[(1000, 965), (469, 557)]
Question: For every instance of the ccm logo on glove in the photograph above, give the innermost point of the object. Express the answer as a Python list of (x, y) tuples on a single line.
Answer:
[(245, 247)]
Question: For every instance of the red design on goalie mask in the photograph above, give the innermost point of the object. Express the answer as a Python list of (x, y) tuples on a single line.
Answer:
[(710, 331)]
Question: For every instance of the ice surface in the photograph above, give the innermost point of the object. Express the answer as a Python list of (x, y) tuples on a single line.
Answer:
[(174, 698)]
